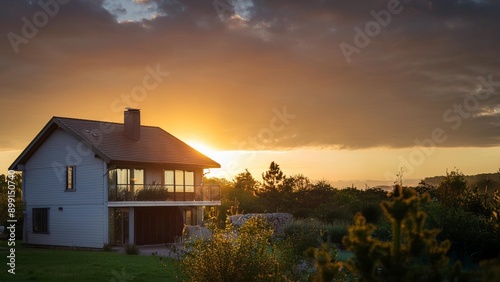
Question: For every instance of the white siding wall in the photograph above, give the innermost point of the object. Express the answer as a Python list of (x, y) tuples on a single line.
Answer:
[(83, 219)]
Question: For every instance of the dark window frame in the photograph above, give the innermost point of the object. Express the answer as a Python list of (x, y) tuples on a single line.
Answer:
[(40, 220), (181, 183), (70, 180)]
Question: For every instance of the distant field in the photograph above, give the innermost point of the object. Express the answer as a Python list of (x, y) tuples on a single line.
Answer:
[(36, 264)]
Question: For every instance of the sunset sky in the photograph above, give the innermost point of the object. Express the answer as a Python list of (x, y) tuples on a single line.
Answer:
[(347, 91)]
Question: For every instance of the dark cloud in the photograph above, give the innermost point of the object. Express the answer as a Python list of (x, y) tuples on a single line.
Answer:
[(228, 75)]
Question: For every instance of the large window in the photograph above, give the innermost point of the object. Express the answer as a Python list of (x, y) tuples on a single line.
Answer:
[(125, 183), (41, 220), (70, 178), (183, 181), (126, 176)]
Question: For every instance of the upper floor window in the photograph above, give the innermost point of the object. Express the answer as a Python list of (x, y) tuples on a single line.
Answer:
[(126, 176), (182, 181), (70, 178)]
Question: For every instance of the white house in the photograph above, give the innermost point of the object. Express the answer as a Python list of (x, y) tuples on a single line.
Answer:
[(89, 183)]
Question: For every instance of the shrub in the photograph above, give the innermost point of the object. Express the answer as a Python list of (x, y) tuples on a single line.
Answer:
[(107, 248), (335, 232), (152, 194), (244, 254), (131, 249), (302, 234), (326, 264), (329, 212), (413, 254), (473, 237), (372, 212)]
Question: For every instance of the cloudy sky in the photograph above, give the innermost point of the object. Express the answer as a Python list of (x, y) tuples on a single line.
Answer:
[(339, 90)]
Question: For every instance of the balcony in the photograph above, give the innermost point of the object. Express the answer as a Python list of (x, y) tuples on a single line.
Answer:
[(163, 193)]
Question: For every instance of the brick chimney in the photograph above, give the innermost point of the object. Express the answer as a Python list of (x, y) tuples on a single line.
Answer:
[(132, 123)]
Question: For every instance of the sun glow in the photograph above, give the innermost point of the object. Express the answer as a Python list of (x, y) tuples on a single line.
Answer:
[(203, 148)]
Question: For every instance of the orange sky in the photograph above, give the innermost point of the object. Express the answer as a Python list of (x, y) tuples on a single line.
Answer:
[(268, 81)]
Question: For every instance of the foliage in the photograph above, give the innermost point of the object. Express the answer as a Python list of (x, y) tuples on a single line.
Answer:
[(451, 189), (246, 254), (153, 193), (5, 181), (326, 264), (297, 195), (466, 217), (131, 249), (472, 238), (273, 178), (335, 232), (490, 270), (413, 254), (302, 234), (273, 191), (245, 181), (107, 248)]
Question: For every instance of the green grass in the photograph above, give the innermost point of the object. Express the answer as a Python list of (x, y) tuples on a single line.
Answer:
[(37, 264)]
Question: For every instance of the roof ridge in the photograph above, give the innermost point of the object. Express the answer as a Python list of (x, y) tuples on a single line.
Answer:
[(83, 119), (92, 120)]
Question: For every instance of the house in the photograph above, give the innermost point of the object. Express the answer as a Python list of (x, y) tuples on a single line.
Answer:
[(90, 183)]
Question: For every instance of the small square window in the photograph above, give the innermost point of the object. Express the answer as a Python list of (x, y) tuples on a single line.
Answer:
[(70, 178)]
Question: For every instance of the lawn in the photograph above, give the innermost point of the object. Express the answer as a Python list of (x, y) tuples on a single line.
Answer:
[(38, 264)]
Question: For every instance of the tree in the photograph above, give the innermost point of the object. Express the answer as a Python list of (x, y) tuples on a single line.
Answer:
[(273, 178), (414, 253), (296, 183), (272, 187), (245, 181), (451, 189), (15, 182)]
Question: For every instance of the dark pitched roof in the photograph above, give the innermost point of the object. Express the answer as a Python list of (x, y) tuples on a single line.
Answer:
[(108, 141)]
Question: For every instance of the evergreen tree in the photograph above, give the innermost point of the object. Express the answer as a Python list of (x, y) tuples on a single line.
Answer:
[(245, 181), (272, 187)]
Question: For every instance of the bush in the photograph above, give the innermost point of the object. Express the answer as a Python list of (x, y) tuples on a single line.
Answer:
[(335, 232), (302, 234), (107, 248), (244, 254), (328, 212), (131, 249), (152, 194), (372, 213), (472, 237), (412, 254)]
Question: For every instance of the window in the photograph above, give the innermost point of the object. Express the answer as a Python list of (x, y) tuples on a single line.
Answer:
[(179, 181), (188, 215), (125, 183), (125, 176), (41, 220), (70, 178), (169, 180), (189, 181), (183, 181)]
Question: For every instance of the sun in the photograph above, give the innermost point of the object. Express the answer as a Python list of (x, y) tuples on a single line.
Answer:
[(203, 148)]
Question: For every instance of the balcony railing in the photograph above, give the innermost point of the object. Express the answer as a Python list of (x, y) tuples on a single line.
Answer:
[(155, 192)]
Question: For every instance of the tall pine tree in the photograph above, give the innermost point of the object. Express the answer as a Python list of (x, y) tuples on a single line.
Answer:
[(272, 187)]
